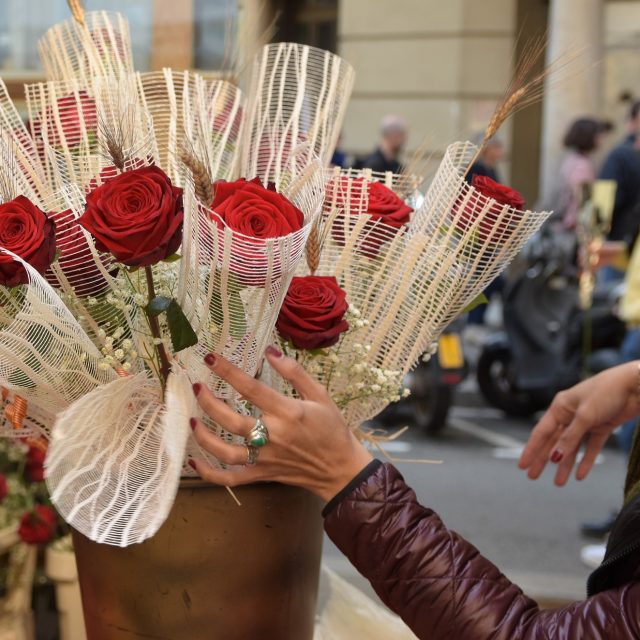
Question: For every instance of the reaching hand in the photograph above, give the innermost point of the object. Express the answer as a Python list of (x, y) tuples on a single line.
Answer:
[(309, 443), (587, 413)]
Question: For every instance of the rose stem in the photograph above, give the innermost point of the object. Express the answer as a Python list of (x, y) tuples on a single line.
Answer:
[(154, 325)]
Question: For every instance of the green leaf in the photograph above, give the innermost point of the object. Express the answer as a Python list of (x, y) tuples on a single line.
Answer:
[(172, 258), (158, 305), (480, 300), (182, 333)]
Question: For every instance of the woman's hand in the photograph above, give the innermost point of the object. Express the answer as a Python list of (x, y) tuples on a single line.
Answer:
[(309, 444), (587, 413)]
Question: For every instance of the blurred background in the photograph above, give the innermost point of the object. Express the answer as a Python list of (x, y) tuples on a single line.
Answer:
[(429, 73), (441, 66)]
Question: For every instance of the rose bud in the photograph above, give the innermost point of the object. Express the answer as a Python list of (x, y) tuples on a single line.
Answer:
[(387, 212), (29, 233), (312, 314), (489, 212), (256, 213), (75, 115), (136, 217), (38, 526)]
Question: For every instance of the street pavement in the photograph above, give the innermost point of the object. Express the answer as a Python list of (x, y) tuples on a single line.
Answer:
[(530, 530)]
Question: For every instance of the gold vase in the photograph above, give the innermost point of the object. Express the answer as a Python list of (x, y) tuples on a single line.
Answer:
[(215, 570)]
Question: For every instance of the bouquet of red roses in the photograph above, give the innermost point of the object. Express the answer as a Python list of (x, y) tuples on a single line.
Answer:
[(147, 220), (384, 278)]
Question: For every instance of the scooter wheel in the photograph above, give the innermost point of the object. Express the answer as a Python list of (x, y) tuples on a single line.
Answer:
[(430, 412), (495, 379)]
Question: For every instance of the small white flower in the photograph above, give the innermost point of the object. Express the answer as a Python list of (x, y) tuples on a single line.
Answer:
[(126, 366), (406, 393), (133, 354), (101, 333), (92, 301), (118, 354), (376, 388), (103, 366), (127, 344)]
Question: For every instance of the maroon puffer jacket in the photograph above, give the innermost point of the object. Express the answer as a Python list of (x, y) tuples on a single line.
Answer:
[(441, 585)]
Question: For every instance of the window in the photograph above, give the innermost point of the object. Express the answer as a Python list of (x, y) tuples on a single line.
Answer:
[(192, 32)]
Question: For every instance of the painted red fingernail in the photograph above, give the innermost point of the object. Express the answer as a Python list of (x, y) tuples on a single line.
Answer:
[(197, 388), (557, 455), (193, 423), (192, 464), (272, 351), (210, 359)]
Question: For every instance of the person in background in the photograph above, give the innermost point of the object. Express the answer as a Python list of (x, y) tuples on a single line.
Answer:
[(339, 157), (491, 156), (577, 171), (393, 137), (486, 165), (622, 165)]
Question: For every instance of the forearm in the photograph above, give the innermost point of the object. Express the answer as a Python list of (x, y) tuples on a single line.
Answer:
[(435, 580), (439, 583)]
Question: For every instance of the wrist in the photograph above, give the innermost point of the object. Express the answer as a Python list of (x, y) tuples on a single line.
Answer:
[(345, 471)]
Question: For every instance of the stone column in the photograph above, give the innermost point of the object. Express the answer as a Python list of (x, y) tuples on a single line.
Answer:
[(576, 27)]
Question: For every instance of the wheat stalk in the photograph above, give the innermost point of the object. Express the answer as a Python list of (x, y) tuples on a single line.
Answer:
[(201, 178), (525, 88), (77, 10), (313, 249)]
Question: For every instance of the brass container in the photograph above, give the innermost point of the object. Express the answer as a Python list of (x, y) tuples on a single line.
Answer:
[(215, 570)]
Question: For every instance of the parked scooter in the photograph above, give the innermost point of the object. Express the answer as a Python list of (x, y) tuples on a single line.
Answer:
[(542, 348), (432, 384)]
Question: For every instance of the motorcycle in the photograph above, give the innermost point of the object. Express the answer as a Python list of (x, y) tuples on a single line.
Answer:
[(432, 384), (549, 343)]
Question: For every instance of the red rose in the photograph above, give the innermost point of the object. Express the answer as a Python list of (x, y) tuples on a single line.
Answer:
[(258, 214), (4, 489), (383, 206), (35, 464), (75, 115), (29, 233), (38, 526), (501, 196), (253, 210), (312, 314), (136, 216)]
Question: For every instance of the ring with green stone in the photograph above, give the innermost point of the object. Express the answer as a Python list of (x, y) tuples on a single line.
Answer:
[(259, 435)]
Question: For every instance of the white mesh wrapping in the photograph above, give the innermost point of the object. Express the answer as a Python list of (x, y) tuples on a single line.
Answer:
[(45, 356), (71, 123), (102, 46), (298, 95), (115, 479), (23, 148), (409, 283), (212, 117), (191, 113)]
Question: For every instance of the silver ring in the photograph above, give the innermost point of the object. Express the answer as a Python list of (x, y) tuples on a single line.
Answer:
[(259, 435), (252, 455)]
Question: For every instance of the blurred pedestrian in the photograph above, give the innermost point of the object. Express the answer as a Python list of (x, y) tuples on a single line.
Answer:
[(339, 157), (577, 170), (393, 137), (622, 165), (490, 157)]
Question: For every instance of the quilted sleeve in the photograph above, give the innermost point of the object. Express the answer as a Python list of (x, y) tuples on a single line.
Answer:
[(439, 583)]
